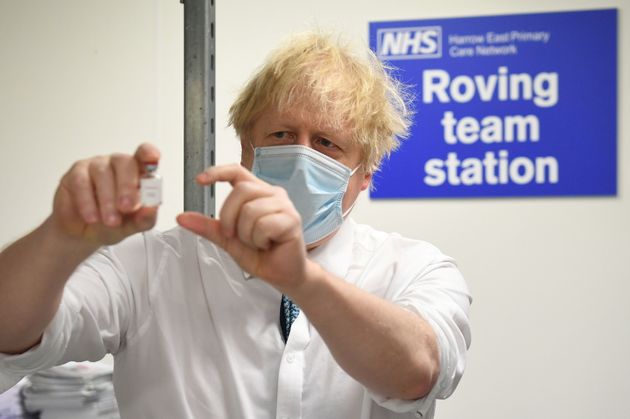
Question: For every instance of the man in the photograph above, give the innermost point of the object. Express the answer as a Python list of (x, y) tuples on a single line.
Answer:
[(282, 307)]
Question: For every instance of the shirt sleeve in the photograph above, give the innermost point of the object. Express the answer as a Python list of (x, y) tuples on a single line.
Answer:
[(91, 320), (438, 294)]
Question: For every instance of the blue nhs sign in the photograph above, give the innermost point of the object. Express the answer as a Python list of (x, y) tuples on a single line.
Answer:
[(510, 105), (409, 43)]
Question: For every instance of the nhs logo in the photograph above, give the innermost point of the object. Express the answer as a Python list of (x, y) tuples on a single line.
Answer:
[(409, 43)]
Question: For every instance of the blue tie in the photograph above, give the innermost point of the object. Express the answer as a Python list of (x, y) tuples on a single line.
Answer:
[(288, 313)]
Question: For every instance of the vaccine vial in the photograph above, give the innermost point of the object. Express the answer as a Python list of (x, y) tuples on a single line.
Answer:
[(150, 186)]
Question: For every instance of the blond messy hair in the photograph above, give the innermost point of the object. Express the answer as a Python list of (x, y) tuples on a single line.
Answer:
[(341, 90)]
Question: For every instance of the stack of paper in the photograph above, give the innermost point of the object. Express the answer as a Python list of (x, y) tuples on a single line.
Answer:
[(81, 390), (11, 403)]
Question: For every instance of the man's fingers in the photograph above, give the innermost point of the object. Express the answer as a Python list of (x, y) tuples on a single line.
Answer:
[(98, 198), (126, 173), (253, 210), (277, 227), (103, 180), (232, 173), (242, 193), (77, 182), (147, 153)]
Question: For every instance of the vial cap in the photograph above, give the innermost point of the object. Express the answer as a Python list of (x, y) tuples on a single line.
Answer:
[(150, 166)]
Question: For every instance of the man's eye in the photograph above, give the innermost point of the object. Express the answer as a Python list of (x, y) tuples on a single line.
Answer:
[(282, 137), (326, 143)]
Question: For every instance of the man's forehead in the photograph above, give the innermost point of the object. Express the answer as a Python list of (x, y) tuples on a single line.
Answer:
[(305, 117)]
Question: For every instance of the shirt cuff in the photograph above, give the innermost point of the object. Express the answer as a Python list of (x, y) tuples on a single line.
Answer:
[(419, 407), (44, 355)]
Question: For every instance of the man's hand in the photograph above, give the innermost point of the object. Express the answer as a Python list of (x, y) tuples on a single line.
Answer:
[(258, 226), (98, 200)]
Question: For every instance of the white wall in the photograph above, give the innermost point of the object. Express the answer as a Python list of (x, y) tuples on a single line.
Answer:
[(550, 277)]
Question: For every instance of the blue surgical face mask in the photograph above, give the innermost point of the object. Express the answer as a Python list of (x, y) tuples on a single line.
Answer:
[(315, 183)]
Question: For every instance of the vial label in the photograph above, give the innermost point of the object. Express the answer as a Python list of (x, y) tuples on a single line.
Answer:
[(151, 192)]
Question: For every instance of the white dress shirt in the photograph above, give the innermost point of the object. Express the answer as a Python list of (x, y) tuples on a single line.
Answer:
[(193, 338)]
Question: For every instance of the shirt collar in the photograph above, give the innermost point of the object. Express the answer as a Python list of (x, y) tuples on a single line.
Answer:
[(335, 255)]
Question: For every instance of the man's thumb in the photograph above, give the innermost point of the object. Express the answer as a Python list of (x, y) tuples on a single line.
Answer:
[(208, 228)]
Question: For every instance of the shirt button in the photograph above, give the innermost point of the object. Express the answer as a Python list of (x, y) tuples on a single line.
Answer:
[(290, 359)]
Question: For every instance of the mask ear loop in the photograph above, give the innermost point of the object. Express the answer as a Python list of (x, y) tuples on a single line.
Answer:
[(253, 150), (346, 212)]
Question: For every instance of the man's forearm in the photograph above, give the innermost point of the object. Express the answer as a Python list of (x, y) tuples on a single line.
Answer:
[(33, 271), (387, 348)]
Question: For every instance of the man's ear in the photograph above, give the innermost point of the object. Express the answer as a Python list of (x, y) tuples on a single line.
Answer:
[(367, 179), (247, 153)]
